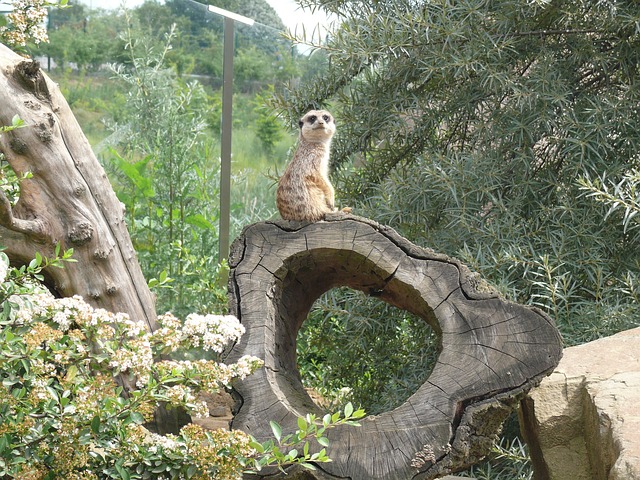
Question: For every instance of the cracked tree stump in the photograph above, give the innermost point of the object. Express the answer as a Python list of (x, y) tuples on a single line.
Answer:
[(492, 350)]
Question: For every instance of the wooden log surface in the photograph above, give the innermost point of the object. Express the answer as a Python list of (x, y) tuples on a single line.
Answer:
[(492, 350)]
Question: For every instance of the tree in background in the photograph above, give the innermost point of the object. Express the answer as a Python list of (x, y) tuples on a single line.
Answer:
[(82, 37), (90, 38), (466, 126), (167, 176)]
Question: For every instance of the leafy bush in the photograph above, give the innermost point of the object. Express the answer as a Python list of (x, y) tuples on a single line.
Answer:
[(465, 127), (63, 410), (390, 352), (65, 414), (167, 175)]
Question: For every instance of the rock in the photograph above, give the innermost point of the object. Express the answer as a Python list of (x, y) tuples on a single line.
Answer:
[(220, 406), (583, 421), (213, 423)]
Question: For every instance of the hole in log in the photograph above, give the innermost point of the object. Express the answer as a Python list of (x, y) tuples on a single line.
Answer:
[(311, 273), (356, 348)]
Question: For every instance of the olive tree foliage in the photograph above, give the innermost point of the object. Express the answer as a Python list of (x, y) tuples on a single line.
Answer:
[(478, 127)]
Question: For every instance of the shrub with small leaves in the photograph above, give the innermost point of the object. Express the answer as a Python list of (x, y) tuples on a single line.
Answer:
[(283, 450), (63, 411)]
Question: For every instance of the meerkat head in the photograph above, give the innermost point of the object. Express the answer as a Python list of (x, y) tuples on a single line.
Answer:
[(317, 126)]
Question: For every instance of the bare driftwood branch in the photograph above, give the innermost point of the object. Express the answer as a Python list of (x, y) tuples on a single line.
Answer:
[(66, 199), (492, 350), (32, 228)]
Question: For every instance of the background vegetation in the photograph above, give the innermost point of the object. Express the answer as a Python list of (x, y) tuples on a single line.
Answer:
[(504, 133), (146, 84)]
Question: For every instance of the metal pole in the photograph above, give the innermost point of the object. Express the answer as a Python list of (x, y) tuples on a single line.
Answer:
[(225, 139)]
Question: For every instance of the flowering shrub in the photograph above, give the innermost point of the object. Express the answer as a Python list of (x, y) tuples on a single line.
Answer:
[(63, 413), (26, 22)]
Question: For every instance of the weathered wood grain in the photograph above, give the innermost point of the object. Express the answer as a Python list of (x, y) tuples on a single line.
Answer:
[(67, 200), (492, 350)]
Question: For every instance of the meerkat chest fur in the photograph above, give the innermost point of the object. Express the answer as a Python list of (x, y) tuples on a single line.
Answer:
[(304, 190), (310, 158)]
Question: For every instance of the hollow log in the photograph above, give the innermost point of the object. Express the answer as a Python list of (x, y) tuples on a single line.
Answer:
[(492, 351), (67, 200)]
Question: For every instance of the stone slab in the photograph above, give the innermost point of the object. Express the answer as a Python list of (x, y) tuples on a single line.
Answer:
[(586, 414)]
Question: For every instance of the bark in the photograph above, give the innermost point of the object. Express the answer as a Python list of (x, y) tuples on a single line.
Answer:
[(68, 200), (492, 350)]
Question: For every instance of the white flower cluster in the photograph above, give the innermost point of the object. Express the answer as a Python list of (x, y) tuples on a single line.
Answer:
[(137, 359), (40, 390), (140, 435), (212, 332), (170, 327), (32, 306), (245, 366), (200, 409), (178, 394), (43, 369), (26, 21), (182, 395)]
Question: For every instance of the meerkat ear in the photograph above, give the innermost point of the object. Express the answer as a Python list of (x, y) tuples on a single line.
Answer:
[(300, 123)]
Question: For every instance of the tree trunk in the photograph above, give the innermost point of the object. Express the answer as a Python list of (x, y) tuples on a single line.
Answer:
[(492, 350), (67, 201)]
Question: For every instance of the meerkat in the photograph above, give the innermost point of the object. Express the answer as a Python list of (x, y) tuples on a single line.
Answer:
[(304, 190)]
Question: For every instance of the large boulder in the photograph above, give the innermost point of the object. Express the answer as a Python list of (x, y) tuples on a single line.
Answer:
[(583, 421)]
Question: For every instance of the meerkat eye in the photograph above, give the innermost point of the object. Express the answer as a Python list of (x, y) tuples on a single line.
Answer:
[(312, 119), (326, 118)]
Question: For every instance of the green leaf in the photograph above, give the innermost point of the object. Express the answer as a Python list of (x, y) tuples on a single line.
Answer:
[(360, 413), (302, 424), (324, 441), (17, 122), (137, 417), (136, 173), (198, 220), (95, 424), (191, 471), (326, 420), (257, 446), (348, 410), (72, 372), (124, 474), (26, 365), (277, 430)]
